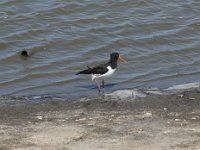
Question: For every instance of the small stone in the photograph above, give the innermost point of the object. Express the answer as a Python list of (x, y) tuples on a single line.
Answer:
[(39, 117), (144, 115), (90, 124), (167, 131), (148, 114), (181, 95), (193, 118), (81, 119), (37, 97), (177, 119), (165, 109)]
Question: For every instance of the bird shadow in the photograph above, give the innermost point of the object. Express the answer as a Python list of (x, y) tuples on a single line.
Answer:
[(93, 86)]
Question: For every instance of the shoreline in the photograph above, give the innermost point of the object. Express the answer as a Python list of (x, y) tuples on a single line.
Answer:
[(152, 122)]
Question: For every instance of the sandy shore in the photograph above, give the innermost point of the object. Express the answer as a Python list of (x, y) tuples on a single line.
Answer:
[(156, 122)]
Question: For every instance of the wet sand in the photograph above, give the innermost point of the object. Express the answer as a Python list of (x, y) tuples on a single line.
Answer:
[(158, 122)]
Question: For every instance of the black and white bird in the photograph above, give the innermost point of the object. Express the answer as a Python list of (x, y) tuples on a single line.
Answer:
[(103, 71)]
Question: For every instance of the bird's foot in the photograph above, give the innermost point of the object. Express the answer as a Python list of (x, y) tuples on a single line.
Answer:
[(98, 86), (103, 85)]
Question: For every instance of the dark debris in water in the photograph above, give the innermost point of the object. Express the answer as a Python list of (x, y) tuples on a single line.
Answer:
[(25, 53)]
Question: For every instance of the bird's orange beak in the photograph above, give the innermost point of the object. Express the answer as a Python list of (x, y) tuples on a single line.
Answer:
[(122, 59)]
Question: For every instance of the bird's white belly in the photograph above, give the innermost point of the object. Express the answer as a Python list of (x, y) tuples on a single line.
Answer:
[(105, 75)]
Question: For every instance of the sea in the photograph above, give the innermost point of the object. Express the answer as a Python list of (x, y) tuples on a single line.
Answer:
[(160, 39)]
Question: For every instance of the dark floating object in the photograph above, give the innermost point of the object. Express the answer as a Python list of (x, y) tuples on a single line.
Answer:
[(25, 53)]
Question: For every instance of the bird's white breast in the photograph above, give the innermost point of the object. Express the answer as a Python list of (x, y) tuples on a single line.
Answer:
[(105, 75)]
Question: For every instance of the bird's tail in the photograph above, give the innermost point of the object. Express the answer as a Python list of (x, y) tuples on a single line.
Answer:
[(87, 71)]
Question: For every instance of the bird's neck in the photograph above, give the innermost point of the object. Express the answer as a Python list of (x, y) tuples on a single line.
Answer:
[(113, 63)]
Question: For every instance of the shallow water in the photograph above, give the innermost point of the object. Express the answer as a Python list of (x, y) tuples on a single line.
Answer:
[(159, 39)]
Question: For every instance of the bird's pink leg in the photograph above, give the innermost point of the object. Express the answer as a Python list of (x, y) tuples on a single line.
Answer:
[(103, 85), (98, 85)]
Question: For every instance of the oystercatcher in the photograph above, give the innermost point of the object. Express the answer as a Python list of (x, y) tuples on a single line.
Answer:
[(103, 71)]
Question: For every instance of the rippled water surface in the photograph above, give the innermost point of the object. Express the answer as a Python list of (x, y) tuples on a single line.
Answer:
[(160, 40)]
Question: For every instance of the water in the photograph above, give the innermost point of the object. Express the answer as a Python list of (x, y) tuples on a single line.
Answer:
[(159, 39)]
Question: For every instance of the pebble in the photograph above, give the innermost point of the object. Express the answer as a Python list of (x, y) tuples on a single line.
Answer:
[(39, 117), (37, 97), (193, 118), (177, 119), (145, 115), (81, 119), (181, 95), (165, 109), (148, 114)]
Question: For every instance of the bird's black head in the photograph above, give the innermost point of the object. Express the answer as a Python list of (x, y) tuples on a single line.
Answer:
[(114, 56), (113, 59)]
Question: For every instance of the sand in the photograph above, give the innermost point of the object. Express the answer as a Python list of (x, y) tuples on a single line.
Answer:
[(154, 122)]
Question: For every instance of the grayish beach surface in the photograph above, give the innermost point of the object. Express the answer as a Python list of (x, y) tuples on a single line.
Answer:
[(159, 39), (169, 121)]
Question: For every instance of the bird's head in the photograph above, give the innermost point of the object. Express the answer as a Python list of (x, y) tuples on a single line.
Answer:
[(116, 56)]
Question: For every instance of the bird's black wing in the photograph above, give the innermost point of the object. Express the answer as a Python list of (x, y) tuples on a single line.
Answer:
[(99, 70)]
